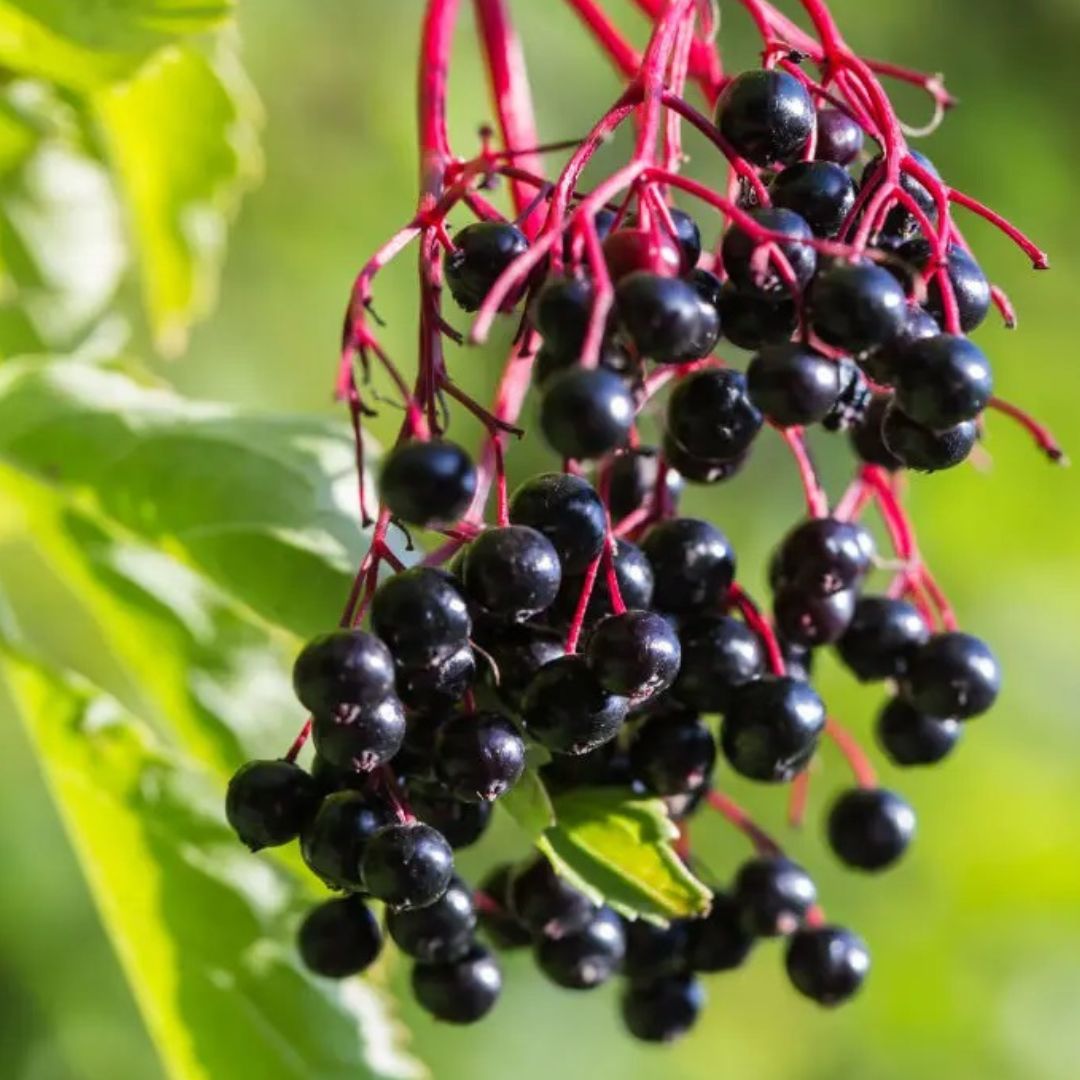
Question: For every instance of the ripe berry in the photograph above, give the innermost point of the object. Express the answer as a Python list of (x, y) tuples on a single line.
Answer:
[(698, 470), (869, 829), (693, 564), (820, 192), (774, 895), (687, 236), (549, 363), (720, 941), (719, 653), (439, 683), (479, 756), (586, 958), (839, 138), (407, 865), (346, 667), (496, 919), (881, 638), (854, 398), (512, 572), (711, 416), (562, 313), (882, 364), (461, 823), (952, 674), (421, 615), (428, 483), (333, 841), (546, 904), (856, 306), (900, 222), (606, 766), (970, 285), (635, 654), (661, 316), (339, 938), (439, 933), (568, 711), (748, 266), (751, 320), (771, 728), (481, 253), (586, 413), (361, 737), (767, 116), (827, 963), (462, 991), (823, 555), (633, 476), (568, 511), (910, 737), (866, 437), (793, 385), (811, 618), (662, 1010), (672, 755), (942, 381), (630, 251), (919, 447), (653, 952), (517, 651), (635, 580), (269, 802)]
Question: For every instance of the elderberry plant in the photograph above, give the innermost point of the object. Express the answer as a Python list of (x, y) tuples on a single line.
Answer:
[(578, 650)]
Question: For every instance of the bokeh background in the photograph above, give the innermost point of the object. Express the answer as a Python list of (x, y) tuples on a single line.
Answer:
[(976, 937)]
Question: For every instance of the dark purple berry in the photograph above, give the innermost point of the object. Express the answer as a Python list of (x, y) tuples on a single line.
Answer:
[(512, 571), (720, 941), (923, 449), (635, 580), (751, 268), (699, 470), (635, 654), (563, 309), (953, 674), (662, 1010), (942, 381), (856, 306), (866, 436), (482, 251), (827, 963), (586, 413), (586, 958), (883, 364), (672, 755), (663, 317), (479, 756), (774, 895), (793, 385), (339, 938), (462, 991), (882, 636), (767, 116), (911, 738), (820, 192), (333, 841), (711, 416), (751, 321), (269, 802), (810, 618), (407, 865), (839, 138), (568, 511), (693, 565), (421, 615), (870, 828), (461, 823), (970, 285), (900, 222), (719, 653), (361, 737), (653, 952), (546, 904), (428, 483), (633, 479), (439, 933), (439, 683), (823, 555), (854, 399), (346, 667)]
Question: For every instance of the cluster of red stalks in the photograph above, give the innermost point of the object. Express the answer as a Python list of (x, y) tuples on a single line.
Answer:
[(558, 218)]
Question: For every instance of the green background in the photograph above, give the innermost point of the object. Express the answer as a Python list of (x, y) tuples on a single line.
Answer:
[(976, 937)]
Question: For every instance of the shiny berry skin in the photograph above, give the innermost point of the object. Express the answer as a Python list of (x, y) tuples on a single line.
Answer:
[(481, 253), (866, 436), (562, 312), (269, 802), (568, 511), (339, 938), (882, 364), (361, 737), (461, 823), (767, 116), (827, 963), (631, 251), (546, 904), (438, 683), (549, 363), (743, 260), (813, 619), (653, 952), (711, 416), (900, 222), (719, 653), (634, 577), (672, 755), (693, 565), (752, 321), (882, 636), (479, 756), (687, 236), (439, 933), (586, 413), (910, 738), (421, 615), (856, 306), (953, 674), (512, 571), (462, 991), (407, 865), (942, 381), (567, 710), (428, 483), (633, 482), (606, 766), (970, 285), (771, 728), (662, 1010), (792, 384), (698, 470), (869, 829), (774, 895), (854, 398), (720, 941), (586, 958), (923, 449), (519, 652), (821, 193), (823, 555), (635, 654), (344, 667), (333, 841), (661, 316), (839, 138)]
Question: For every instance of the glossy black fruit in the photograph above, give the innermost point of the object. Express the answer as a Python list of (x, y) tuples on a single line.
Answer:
[(751, 320), (634, 577), (823, 555), (867, 439), (633, 481), (869, 829), (719, 653), (438, 683), (662, 1010), (549, 363), (942, 381), (827, 963), (856, 306), (546, 904), (512, 571), (269, 802), (361, 737), (497, 921), (720, 941), (428, 483), (629, 251), (911, 738), (339, 938), (971, 287), (421, 615), (439, 933), (923, 449), (693, 565), (698, 470), (568, 511), (653, 952), (953, 674), (586, 958), (518, 651), (635, 654), (839, 138), (854, 399), (479, 756), (481, 253), (882, 636), (333, 841), (461, 823), (813, 619), (820, 192), (774, 895), (662, 317), (462, 991), (749, 266), (586, 413), (900, 222), (672, 755), (767, 116), (883, 364), (711, 416), (792, 384), (563, 308), (407, 865), (346, 667)]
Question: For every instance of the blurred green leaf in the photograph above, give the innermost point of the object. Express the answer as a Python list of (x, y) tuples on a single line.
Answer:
[(529, 804)]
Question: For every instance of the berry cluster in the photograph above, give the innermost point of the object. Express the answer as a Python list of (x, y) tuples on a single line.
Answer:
[(589, 621)]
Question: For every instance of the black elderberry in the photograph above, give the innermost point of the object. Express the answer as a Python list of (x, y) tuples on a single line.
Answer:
[(632, 573), (900, 222), (882, 364), (970, 285), (870, 828), (586, 958), (462, 991), (839, 138), (662, 1010), (512, 571), (568, 511), (662, 317), (461, 823), (479, 756), (798, 659), (482, 251), (820, 192), (563, 309), (346, 667), (720, 941), (567, 709), (921, 448), (767, 116), (827, 963), (856, 306), (549, 363), (792, 384), (606, 766), (546, 904), (719, 653), (517, 651), (269, 802), (942, 381), (711, 416), (853, 401), (752, 321), (752, 270), (586, 413), (774, 895), (652, 951), (688, 236), (911, 738), (496, 920), (699, 470), (428, 483), (632, 482), (635, 654), (672, 755), (630, 251), (439, 933), (438, 683), (812, 619), (867, 439), (881, 638), (361, 737), (823, 555), (421, 615), (953, 674), (333, 842), (407, 865), (693, 565), (339, 938), (771, 728), (329, 778)]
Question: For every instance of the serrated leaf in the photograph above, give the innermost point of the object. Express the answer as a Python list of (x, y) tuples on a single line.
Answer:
[(529, 804), (621, 847), (201, 928)]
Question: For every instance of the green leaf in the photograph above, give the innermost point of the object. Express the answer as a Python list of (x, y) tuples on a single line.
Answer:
[(181, 138), (529, 804), (621, 847), (202, 929)]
